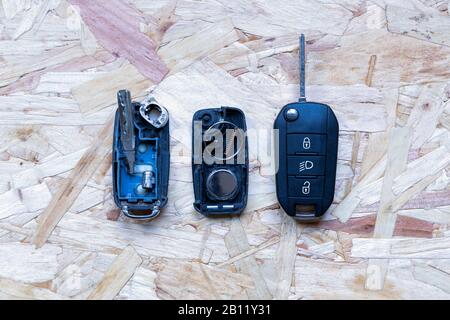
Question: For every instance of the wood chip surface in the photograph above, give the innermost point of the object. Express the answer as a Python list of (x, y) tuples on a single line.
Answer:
[(382, 65)]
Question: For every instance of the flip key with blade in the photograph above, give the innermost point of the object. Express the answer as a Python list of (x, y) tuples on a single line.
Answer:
[(140, 157), (307, 154)]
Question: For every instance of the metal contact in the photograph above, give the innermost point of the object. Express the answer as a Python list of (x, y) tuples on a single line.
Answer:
[(147, 180)]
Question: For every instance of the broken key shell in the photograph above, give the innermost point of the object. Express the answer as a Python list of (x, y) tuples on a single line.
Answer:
[(152, 154)]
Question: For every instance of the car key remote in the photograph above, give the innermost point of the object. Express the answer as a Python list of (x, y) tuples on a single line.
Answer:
[(141, 157), (307, 154), (219, 161)]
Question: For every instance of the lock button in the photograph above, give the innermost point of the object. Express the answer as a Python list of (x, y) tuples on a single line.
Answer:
[(305, 187), (306, 143)]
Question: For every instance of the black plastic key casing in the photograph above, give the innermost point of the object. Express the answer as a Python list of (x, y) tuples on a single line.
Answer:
[(206, 201), (307, 158)]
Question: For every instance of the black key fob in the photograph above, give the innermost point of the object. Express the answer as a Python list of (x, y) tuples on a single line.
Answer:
[(220, 161), (307, 145), (140, 168)]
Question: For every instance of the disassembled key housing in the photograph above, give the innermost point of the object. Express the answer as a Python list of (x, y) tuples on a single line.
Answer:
[(140, 168), (220, 161), (307, 154)]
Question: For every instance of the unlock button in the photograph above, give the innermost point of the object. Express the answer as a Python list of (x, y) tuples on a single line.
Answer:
[(305, 188)]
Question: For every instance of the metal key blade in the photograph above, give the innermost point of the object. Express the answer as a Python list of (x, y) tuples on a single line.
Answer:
[(127, 127), (302, 67)]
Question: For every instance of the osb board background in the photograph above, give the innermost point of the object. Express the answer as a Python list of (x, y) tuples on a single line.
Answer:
[(382, 65)]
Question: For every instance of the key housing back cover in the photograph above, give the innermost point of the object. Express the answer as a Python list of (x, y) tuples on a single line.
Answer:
[(220, 187)]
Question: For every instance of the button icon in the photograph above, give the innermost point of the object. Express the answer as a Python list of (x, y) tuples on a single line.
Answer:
[(306, 143), (305, 165), (306, 189), (299, 143)]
